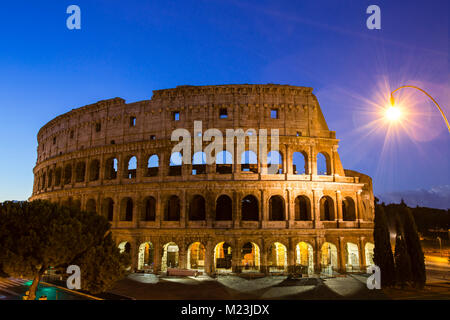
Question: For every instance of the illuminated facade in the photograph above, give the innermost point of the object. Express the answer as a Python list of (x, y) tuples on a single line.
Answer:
[(116, 159)]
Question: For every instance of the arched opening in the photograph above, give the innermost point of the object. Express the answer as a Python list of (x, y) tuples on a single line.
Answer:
[(199, 163), (326, 209), (80, 172), (91, 206), (108, 209), (197, 208), (369, 251), (224, 208), (131, 168), (196, 256), (58, 173), (94, 170), (126, 213), (50, 178), (249, 208), (348, 209), (67, 174), (170, 256), (223, 257), (304, 258), (224, 162), (149, 212), (329, 258), (146, 256), (250, 257), (77, 204), (249, 161), (277, 258), (111, 169), (176, 161), (352, 257), (323, 164), (274, 162), (125, 247), (172, 212), (276, 208), (300, 163), (152, 166), (302, 208)]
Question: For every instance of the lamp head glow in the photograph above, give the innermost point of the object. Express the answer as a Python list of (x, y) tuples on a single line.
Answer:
[(393, 113)]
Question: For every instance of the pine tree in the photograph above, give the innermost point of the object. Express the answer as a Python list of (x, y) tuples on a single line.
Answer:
[(414, 247), (37, 235), (402, 259), (383, 256)]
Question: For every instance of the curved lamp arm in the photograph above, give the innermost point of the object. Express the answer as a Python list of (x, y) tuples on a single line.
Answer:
[(437, 105)]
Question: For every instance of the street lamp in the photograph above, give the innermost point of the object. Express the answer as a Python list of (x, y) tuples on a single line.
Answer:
[(393, 112)]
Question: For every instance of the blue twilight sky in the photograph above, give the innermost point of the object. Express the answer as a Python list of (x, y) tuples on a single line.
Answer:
[(129, 48)]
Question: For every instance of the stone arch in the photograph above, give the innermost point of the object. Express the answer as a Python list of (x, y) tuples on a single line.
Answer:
[(250, 208), (329, 258), (304, 257), (197, 208), (199, 163), (108, 208), (149, 212), (131, 169), (124, 247), (58, 175), (300, 162), (91, 206), (50, 178), (348, 209), (277, 257), (250, 255), (249, 161), (94, 170), (274, 162), (223, 257), (146, 256), (170, 256), (326, 209), (152, 165), (172, 210), (196, 256), (369, 252), (111, 166), (224, 162), (175, 164), (126, 209), (302, 208), (352, 257), (277, 208), (323, 163), (224, 208), (80, 171)]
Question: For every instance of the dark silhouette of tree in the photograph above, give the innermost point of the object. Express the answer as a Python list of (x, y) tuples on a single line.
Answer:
[(402, 259), (383, 256), (414, 247), (37, 235)]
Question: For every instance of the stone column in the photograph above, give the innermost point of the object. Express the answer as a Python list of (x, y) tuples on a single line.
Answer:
[(182, 254), (358, 207), (137, 200), (341, 255), (318, 242), (209, 257), (312, 159), (290, 255), (183, 209), (157, 256), (236, 256), (264, 268), (264, 216), (362, 254), (339, 206), (316, 208), (134, 253), (237, 214)]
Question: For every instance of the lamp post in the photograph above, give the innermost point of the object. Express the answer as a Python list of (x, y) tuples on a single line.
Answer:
[(423, 91)]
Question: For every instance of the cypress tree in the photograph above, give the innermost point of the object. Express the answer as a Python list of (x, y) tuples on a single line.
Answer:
[(402, 259), (414, 247), (383, 256)]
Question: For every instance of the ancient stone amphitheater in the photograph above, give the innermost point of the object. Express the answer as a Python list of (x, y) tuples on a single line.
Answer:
[(116, 159)]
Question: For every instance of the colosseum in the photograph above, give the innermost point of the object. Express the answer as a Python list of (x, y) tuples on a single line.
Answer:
[(309, 216)]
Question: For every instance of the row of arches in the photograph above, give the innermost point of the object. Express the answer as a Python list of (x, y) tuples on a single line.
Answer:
[(223, 211), (248, 161), (250, 257)]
